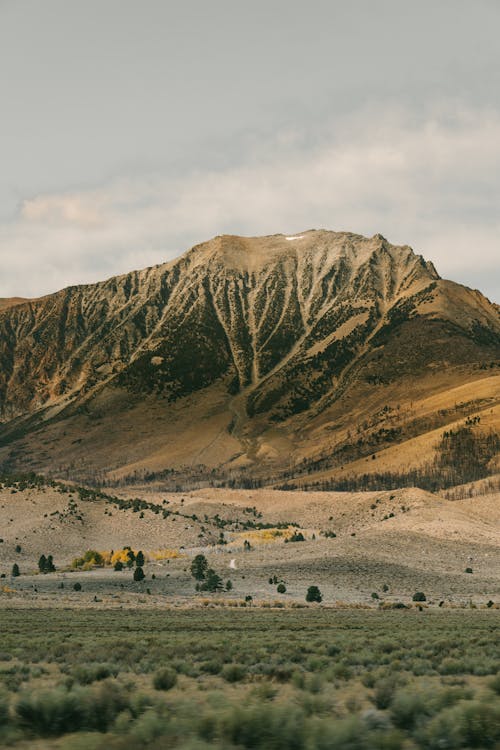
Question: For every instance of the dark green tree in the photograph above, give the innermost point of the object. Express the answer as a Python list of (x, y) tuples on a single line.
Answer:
[(313, 594), (139, 574), (199, 567), (212, 582), (118, 565), (42, 563), (49, 566), (139, 559), (130, 558), (15, 570)]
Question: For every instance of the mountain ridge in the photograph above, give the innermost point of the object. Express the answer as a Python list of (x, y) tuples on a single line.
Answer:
[(260, 336)]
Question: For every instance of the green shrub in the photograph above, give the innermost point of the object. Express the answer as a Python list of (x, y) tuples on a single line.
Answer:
[(419, 596), (494, 684), (50, 713), (412, 704), (4, 710), (264, 726), (466, 725), (89, 673), (281, 589), (211, 667), (384, 692), (164, 679), (233, 672)]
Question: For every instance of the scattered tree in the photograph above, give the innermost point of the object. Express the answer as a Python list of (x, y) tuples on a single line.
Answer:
[(199, 567), (139, 574), (212, 582), (281, 588), (419, 596), (15, 570), (313, 594), (139, 560), (297, 536)]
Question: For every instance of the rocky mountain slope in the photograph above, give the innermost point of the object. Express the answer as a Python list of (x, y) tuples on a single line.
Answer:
[(271, 357)]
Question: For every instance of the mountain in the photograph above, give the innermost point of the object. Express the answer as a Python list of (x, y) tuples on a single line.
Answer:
[(249, 359)]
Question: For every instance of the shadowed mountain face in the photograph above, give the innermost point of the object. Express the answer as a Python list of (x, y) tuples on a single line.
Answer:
[(249, 334)]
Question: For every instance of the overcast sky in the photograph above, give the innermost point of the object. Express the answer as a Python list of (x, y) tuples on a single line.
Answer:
[(131, 130)]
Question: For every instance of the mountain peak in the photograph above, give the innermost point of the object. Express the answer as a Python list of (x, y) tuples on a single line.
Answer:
[(263, 333)]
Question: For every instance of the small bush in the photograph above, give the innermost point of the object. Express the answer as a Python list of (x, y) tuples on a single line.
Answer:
[(89, 673), (211, 667), (164, 679), (281, 589), (494, 684), (384, 692), (77, 586), (50, 713), (468, 725), (419, 596), (233, 672), (4, 710), (265, 726)]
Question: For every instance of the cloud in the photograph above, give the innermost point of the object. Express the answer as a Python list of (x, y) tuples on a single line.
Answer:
[(431, 183)]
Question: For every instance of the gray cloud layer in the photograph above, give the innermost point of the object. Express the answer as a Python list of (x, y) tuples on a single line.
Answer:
[(414, 155)]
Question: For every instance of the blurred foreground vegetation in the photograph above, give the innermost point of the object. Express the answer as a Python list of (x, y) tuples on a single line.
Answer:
[(196, 679)]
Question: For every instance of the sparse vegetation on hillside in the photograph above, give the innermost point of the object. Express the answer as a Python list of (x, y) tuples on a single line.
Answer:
[(462, 455)]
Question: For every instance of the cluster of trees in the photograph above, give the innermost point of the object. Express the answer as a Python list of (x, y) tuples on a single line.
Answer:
[(206, 578), (131, 559), (46, 564)]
